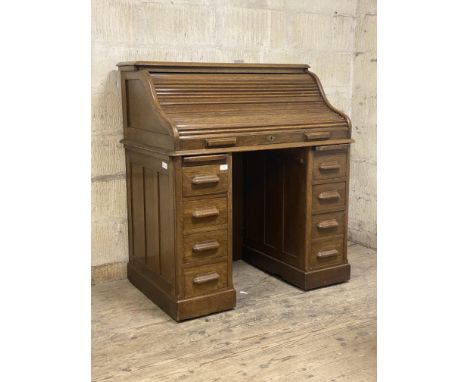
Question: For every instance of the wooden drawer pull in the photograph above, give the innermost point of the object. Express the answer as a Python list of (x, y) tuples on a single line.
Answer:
[(325, 224), (328, 195), (205, 158), (205, 212), (327, 166), (331, 147), (205, 179), (317, 136), (202, 279), (221, 142), (205, 246), (327, 254)]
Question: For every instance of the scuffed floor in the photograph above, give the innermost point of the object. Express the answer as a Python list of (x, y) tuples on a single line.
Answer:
[(276, 332)]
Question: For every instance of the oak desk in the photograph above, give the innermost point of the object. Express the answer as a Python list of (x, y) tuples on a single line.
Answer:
[(230, 161)]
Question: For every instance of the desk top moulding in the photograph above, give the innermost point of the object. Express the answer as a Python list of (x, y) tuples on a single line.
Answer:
[(201, 108)]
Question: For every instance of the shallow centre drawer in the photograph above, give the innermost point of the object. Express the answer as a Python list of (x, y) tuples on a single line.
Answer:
[(327, 197), (330, 224), (205, 279), (205, 245), (207, 179), (329, 165), (327, 252), (205, 214)]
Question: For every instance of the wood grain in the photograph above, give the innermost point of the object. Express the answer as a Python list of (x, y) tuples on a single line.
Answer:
[(203, 180), (276, 333), (203, 106), (182, 124)]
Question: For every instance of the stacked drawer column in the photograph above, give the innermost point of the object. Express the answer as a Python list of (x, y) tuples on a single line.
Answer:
[(204, 228), (329, 205)]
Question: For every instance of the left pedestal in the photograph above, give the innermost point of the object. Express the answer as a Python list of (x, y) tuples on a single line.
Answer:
[(179, 222)]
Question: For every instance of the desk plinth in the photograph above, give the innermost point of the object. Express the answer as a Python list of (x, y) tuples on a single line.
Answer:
[(223, 161)]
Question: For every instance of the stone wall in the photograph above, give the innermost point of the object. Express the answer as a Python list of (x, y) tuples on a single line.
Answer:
[(363, 190), (336, 38)]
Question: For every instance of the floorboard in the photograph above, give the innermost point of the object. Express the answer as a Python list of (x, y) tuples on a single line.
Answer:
[(276, 332)]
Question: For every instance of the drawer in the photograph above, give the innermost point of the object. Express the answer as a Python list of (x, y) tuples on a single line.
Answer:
[(263, 138), (205, 214), (324, 225), (327, 252), (205, 246), (326, 197), (329, 165), (204, 180), (205, 279)]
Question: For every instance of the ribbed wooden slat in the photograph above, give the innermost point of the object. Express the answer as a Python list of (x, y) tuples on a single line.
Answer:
[(246, 101), (231, 77), (233, 92), (258, 108), (197, 86), (197, 101), (339, 125)]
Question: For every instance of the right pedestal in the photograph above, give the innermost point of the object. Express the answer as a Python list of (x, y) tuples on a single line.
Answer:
[(295, 214)]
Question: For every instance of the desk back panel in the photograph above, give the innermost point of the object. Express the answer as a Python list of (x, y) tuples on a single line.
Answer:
[(275, 203)]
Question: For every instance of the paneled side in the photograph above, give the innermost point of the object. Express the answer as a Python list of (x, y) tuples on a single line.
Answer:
[(294, 209), (152, 219), (143, 122), (273, 200), (254, 194), (138, 213), (275, 197), (140, 108), (166, 231)]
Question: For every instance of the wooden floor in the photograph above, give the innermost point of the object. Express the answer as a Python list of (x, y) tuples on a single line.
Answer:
[(275, 333)]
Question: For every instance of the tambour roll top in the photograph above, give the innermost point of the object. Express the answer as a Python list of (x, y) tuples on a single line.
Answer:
[(182, 108)]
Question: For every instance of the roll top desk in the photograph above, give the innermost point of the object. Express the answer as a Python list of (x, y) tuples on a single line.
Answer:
[(227, 162)]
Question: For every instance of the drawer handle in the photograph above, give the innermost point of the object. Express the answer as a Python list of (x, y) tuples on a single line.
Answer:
[(317, 136), (326, 224), (221, 142), (329, 195), (205, 179), (205, 246), (205, 158), (327, 254), (328, 166), (205, 213), (202, 279), (331, 147)]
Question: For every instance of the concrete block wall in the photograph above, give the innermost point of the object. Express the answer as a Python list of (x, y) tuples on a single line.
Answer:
[(336, 38), (363, 182)]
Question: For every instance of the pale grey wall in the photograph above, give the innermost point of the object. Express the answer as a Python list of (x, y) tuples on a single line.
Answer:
[(336, 38)]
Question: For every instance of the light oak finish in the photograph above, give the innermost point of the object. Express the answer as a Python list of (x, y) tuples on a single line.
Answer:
[(205, 214), (330, 196), (276, 332), (205, 279), (329, 165), (205, 246), (203, 180), (327, 252), (230, 161), (324, 225)]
